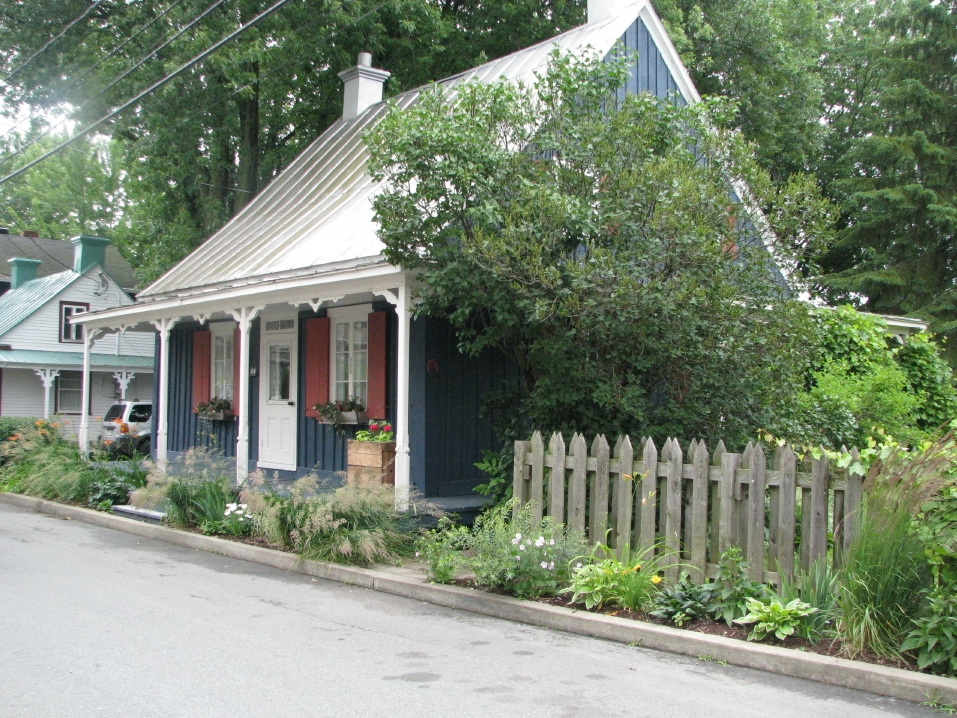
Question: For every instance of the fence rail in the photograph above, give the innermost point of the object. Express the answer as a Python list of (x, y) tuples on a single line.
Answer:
[(779, 510)]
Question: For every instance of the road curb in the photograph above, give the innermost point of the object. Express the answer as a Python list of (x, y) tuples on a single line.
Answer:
[(894, 682)]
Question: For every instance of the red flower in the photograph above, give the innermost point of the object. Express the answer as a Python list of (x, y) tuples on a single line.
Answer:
[(387, 427), (373, 427)]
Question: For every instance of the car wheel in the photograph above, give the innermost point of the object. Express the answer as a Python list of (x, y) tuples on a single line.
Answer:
[(143, 446)]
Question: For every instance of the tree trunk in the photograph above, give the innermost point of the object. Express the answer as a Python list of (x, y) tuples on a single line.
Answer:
[(247, 179)]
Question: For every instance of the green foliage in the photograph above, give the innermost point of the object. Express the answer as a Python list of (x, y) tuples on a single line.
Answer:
[(627, 288), (771, 616), (354, 525), (441, 549), (40, 462), (109, 492), (631, 582), (885, 571), (192, 502), (684, 602), (931, 380), (497, 465), (818, 588), (732, 587), (12, 425), (934, 637), (514, 554)]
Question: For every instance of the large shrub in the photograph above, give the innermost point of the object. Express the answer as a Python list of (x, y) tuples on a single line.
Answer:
[(586, 236), (38, 461)]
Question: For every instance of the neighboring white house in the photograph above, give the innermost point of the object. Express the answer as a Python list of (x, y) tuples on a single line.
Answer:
[(41, 349)]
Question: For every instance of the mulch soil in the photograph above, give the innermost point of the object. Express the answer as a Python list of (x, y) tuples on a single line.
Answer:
[(717, 628)]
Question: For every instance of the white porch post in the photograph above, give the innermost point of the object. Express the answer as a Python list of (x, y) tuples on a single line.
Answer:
[(123, 378), (244, 317), (402, 450), (47, 376), (163, 327), (83, 435)]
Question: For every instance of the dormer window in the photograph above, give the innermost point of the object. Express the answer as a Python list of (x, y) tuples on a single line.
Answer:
[(70, 332)]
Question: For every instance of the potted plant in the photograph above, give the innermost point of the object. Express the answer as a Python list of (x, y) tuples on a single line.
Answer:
[(215, 409), (340, 412), (371, 455)]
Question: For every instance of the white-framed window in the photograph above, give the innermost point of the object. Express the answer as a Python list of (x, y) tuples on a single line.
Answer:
[(349, 353), (70, 332), (221, 356), (69, 392)]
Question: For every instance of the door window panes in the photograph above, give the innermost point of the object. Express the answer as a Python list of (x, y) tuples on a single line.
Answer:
[(279, 372)]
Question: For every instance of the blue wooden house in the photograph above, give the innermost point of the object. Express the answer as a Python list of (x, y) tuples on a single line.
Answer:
[(292, 303)]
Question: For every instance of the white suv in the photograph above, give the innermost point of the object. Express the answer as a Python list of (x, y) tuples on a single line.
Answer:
[(128, 427)]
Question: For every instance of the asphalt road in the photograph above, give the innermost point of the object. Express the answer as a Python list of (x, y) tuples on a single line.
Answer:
[(96, 622)]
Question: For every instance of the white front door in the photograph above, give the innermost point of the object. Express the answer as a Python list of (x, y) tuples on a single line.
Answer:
[(277, 393)]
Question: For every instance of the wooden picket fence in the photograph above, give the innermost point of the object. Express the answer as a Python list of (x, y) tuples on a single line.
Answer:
[(695, 510)]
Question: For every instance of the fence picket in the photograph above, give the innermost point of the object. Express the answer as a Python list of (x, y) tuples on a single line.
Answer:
[(758, 471), (729, 469), (786, 510), (623, 492), (519, 471), (699, 512), (576, 487), (598, 523), (852, 504), (536, 486), (672, 530), (556, 478), (647, 497), (819, 485), (715, 502)]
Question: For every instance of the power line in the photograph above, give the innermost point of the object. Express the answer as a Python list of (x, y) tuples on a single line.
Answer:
[(113, 83), (155, 86), (59, 93), (52, 40)]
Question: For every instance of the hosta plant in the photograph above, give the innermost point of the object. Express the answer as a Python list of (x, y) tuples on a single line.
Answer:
[(774, 617), (630, 582), (684, 602)]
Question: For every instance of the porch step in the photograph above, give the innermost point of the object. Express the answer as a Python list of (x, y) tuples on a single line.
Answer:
[(131, 512), (466, 508)]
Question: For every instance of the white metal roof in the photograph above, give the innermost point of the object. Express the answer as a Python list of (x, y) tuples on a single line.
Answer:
[(318, 211)]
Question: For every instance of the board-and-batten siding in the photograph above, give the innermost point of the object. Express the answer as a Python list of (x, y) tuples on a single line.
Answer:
[(185, 429), (651, 72)]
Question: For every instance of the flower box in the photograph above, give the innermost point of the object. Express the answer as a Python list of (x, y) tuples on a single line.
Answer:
[(224, 415), (347, 417), (370, 462)]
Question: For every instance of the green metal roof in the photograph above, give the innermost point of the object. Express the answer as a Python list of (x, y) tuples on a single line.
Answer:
[(18, 304), (30, 358)]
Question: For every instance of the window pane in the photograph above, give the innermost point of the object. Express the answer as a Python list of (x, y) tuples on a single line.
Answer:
[(279, 372), (70, 392)]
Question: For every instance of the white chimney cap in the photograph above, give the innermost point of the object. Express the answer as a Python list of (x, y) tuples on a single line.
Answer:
[(365, 59)]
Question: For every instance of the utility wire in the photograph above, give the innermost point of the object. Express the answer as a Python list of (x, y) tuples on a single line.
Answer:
[(113, 83), (59, 93), (152, 88), (52, 40)]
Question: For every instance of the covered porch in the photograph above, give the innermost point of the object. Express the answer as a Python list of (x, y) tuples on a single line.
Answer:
[(274, 350)]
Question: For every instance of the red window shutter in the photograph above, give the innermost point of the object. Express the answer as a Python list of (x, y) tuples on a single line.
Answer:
[(378, 336), (316, 370), (201, 367), (237, 355)]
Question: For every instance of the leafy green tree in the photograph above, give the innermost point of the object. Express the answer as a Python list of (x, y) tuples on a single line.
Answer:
[(76, 192), (594, 242), (890, 160)]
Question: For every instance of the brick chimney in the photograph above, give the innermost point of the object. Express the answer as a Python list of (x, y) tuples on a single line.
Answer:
[(22, 271), (362, 86), (88, 251)]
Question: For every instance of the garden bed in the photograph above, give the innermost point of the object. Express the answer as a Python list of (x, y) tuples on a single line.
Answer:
[(832, 648)]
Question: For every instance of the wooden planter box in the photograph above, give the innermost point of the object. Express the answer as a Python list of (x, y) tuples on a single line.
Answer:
[(348, 417), (216, 416), (371, 462)]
